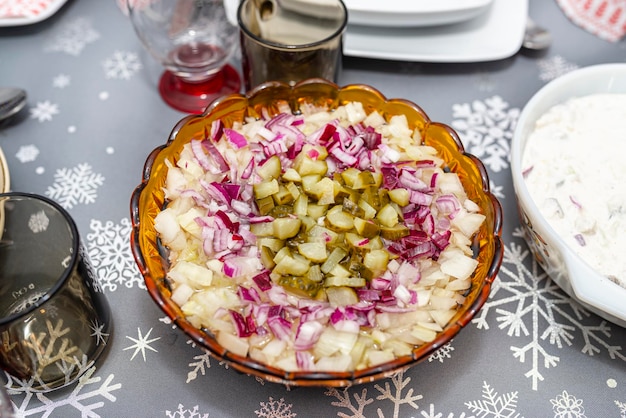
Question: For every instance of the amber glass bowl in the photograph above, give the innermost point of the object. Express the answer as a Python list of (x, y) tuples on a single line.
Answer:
[(148, 200)]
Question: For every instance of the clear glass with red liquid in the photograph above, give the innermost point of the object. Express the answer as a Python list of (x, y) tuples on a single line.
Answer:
[(194, 41)]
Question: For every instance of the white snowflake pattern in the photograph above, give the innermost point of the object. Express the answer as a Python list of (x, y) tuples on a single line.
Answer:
[(43, 111), (75, 185), (528, 303), (494, 405), (567, 406), (53, 351), (443, 353), (622, 408), (167, 320), (110, 254), (553, 67), (142, 343), (38, 222), (432, 414), (345, 401), (121, 65), (27, 153), (275, 409), (73, 37), (98, 332), (201, 363), (85, 397), (399, 393), (486, 128), (61, 81), (181, 412), (497, 190)]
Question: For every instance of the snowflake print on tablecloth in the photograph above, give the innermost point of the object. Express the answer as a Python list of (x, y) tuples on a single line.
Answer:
[(53, 351), (109, 251), (61, 81), (73, 37), (86, 397), (275, 409), (38, 222), (202, 361), (432, 414), (494, 405), (528, 304), (496, 190), (443, 353), (567, 406), (181, 412), (486, 129), (75, 185), (199, 365), (622, 408), (27, 153), (43, 111), (142, 343), (400, 395), (97, 331), (121, 65), (554, 67)]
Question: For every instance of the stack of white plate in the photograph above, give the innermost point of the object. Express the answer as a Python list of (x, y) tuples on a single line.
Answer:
[(435, 30)]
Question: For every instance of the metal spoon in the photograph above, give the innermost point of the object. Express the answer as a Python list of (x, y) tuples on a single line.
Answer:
[(536, 38), (12, 100), (266, 8)]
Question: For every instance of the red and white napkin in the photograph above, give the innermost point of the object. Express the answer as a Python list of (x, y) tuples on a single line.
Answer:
[(604, 18), (23, 8)]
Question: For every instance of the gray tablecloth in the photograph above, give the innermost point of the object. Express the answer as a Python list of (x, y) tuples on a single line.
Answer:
[(94, 114)]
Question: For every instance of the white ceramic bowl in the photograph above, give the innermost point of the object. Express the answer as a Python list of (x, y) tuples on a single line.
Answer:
[(593, 290)]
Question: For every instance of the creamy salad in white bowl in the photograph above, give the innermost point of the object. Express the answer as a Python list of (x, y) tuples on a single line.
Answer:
[(567, 167)]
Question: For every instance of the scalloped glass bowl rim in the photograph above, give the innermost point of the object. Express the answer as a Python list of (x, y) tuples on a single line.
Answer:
[(147, 200)]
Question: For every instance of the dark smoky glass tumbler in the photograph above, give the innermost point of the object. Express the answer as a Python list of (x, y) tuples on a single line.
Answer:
[(55, 321)]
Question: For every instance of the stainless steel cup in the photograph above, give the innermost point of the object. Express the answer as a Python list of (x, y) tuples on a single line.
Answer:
[(54, 318), (291, 40)]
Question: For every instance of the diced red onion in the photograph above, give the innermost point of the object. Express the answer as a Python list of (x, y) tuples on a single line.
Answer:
[(263, 281), (307, 335), (218, 158), (200, 156), (217, 130), (242, 325), (448, 204), (235, 138), (304, 360), (280, 327), (580, 239)]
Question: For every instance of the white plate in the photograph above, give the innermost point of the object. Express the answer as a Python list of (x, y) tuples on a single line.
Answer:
[(397, 13), (27, 12), (5, 183), (496, 34)]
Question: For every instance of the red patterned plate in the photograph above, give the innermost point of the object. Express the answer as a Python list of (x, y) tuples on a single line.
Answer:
[(604, 18)]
